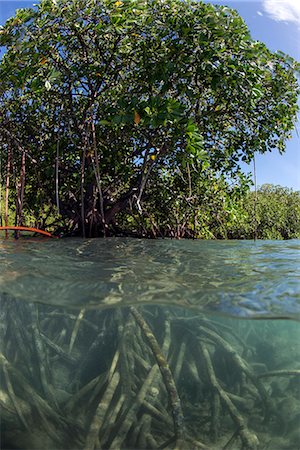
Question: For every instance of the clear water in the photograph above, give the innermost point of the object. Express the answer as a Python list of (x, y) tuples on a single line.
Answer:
[(243, 278), (78, 367)]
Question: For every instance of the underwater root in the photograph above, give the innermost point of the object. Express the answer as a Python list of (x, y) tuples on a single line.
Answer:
[(134, 379), (279, 373), (167, 377), (249, 439)]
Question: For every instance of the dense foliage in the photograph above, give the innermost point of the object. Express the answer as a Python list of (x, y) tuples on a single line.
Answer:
[(271, 213), (135, 115)]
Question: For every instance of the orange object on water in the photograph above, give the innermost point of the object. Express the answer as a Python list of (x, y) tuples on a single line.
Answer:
[(34, 230)]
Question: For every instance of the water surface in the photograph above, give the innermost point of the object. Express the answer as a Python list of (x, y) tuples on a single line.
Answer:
[(243, 278), (78, 368)]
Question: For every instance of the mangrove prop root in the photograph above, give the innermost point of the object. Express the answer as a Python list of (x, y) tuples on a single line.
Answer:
[(13, 397), (249, 439), (111, 418), (244, 403), (144, 431), (72, 317), (151, 442), (279, 373), (106, 376), (167, 443), (8, 410), (163, 418), (130, 417), (128, 404), (215, 423), (57, 349), (102, 379), (134, 434), (114, 364), (231, 440), (180, 359), (218, 325), (236, 358), (85, 360), (76, 329), (196, 445), (41, 356), (76, 398), (92, 440), (167, 377), (41, 406), (142, 362), (124, 363)]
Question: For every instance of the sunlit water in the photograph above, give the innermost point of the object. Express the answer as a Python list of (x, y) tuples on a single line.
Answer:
[(243, 278), (78, 371)]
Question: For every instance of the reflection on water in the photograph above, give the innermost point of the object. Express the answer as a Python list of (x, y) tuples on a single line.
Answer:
[(233, 277), (128, 344), (148, 378)]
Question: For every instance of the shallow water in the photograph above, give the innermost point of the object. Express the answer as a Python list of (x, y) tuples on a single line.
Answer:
[(243, 278), (133, 344)]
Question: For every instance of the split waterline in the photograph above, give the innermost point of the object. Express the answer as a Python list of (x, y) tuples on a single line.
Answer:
[(238, 278), (126, 343)]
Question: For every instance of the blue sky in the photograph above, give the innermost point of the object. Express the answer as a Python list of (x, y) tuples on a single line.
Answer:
[(277, 24)]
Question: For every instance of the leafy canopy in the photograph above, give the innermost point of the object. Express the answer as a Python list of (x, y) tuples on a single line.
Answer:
[(134, 89)]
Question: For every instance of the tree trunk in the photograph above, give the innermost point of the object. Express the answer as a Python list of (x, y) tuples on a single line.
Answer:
[(7, 188), (118, 206), (82, 191)]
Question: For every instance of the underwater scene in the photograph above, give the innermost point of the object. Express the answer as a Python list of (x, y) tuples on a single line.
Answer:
[(132, 344)]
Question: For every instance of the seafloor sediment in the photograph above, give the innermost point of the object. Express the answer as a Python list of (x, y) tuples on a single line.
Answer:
[(153, 378)]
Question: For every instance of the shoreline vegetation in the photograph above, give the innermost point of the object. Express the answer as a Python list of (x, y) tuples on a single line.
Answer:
[(133, 118), (273, 212)]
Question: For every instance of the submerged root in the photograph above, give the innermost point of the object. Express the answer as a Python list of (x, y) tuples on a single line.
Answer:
[(249, 439), (167, 377), (280, 373), (92, 440), (76, 329), (13, 397), (137, 380)]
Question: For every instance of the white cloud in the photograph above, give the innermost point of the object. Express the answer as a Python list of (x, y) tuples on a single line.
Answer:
[(283, 10), (259, 13)]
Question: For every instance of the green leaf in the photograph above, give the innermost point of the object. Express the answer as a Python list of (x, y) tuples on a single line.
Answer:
[(47, 85)]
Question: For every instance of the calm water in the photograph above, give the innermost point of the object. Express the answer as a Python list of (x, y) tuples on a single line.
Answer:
[(135, 344), (242, 278)]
